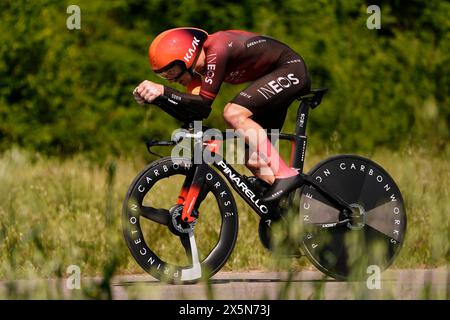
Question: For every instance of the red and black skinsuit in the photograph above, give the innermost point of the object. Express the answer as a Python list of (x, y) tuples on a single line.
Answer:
[(277, 74)]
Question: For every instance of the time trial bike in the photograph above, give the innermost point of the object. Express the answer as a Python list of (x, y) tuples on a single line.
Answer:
[(180, 218)]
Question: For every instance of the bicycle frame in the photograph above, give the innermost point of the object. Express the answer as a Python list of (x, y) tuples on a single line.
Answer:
[(367, 188), (192, 188)]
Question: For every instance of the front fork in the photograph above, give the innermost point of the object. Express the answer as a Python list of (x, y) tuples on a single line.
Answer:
[(193, 192)]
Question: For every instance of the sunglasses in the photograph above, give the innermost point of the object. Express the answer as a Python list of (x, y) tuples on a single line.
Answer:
[(173, 71)]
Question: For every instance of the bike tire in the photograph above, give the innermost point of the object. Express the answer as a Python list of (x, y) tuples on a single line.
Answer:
[(139, 241), (352, 251)]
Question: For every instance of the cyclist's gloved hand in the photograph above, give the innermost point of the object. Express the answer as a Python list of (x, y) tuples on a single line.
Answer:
[(138, 98), (147, 91)]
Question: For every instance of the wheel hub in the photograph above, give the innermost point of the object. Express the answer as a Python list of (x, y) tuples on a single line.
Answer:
[(179, 225), (357, 217)]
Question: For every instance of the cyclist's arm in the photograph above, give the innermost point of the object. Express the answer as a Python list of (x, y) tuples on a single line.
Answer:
[(216, 62), (192, 106), (189, 103)]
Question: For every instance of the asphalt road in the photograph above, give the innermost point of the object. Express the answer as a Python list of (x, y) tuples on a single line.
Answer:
[(394, 284)]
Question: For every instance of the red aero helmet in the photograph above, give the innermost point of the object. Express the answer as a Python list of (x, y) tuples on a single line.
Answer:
[(182, 45)]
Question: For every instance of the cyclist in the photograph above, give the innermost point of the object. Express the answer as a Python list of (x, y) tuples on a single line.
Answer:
[(201, 62)]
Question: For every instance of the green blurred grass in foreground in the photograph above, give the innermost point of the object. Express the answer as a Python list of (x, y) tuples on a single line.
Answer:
[(57, 213)]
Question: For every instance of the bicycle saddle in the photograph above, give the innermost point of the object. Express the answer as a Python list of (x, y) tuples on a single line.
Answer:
[(314, 96)]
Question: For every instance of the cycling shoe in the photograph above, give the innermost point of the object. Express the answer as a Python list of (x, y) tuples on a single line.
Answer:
[(282, 187)]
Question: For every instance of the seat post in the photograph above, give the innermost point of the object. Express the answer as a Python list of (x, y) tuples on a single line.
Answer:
[(302, 118), (309, 101), (299, 149)]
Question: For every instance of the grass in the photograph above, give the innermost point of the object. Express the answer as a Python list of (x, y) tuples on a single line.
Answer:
[(55, 213)]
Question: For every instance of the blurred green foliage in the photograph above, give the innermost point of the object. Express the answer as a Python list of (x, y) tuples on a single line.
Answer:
[(64, 91)]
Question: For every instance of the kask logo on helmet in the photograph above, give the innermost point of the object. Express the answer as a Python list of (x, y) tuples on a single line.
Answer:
[(192, 50), (178, 44)]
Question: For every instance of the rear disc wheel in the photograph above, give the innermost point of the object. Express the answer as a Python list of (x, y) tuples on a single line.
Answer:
[(377, 228)]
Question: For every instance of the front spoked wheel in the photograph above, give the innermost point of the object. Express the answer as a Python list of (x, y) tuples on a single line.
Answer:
[(374, 234), (167, 248)]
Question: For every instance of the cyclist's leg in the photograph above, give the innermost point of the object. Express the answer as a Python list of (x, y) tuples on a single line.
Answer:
[(258, 166), (254, 162), (240, 119), (265, 99)]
